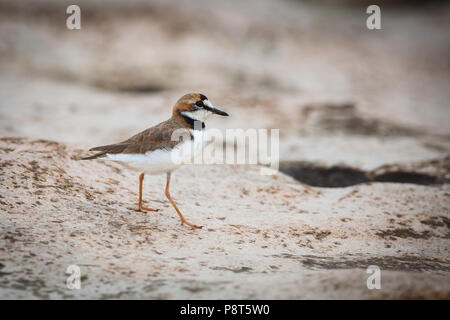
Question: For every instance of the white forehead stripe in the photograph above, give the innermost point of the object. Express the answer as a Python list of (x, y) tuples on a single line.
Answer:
[(208, 103)]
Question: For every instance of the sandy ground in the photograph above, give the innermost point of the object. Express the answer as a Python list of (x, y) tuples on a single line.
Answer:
[(263, 237), (364, 147)]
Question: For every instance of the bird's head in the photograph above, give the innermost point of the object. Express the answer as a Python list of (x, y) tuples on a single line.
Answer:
[(196, 106)]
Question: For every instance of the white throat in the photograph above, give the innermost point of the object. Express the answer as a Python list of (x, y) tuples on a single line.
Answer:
[(199, 115)]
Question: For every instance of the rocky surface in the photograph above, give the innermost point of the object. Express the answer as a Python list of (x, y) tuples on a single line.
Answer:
[(260, 232), (364, 150)]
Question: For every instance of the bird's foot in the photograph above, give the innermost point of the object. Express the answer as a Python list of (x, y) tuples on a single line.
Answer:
[(190, 224), (145, 209)]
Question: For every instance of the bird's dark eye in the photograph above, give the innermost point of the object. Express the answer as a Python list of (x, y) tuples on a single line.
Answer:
[(199, 104)]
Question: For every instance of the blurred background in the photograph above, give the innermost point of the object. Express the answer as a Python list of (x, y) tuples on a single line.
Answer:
[(353, 105), (342, 95)]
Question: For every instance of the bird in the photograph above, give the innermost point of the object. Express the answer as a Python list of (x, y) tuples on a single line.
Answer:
[(158, 150)]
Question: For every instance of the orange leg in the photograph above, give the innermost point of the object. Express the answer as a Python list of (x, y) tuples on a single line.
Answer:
[(141, 207), (183, 221)]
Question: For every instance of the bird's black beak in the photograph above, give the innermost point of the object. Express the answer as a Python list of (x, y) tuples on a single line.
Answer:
[(219, 112), (209, 106)]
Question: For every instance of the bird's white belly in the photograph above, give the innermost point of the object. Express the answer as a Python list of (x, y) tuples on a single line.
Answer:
[(164, 160)]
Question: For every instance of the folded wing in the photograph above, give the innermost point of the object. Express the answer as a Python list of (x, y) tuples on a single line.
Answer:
[(157, 137)]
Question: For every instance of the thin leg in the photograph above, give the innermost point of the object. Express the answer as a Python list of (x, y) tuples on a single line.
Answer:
[(183, 221), (141, 207)]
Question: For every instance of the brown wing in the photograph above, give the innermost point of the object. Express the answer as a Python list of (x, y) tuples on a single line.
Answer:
[(157, 137)]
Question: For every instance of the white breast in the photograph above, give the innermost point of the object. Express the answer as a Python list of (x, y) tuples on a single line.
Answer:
[(164, 160)]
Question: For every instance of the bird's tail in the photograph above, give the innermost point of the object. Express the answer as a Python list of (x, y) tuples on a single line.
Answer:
[(111, 148)]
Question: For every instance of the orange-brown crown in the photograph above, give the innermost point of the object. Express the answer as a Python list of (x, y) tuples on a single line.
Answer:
[(187, 102)]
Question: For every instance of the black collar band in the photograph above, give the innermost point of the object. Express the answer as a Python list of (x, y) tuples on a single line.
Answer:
[(191, 122)]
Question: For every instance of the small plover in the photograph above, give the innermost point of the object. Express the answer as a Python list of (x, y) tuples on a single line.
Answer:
[(156, 151)]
